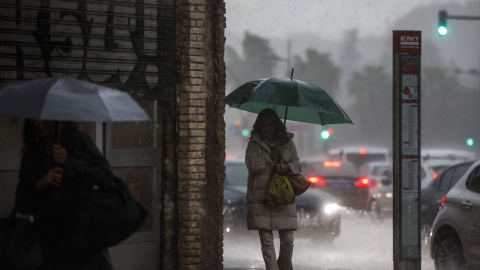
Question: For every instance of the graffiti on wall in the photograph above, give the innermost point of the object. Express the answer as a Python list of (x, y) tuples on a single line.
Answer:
[(122, 44)]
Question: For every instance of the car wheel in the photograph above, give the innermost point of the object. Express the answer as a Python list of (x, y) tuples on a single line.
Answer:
[(448, 253), (329, 234), (323, 238)]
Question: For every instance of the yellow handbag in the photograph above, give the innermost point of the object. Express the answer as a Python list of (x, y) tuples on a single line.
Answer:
[(279, 191)]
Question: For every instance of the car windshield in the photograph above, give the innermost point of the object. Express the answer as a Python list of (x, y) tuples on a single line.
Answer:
[(439, 168), (318, 168), (381, 170), (359, 159), (236, 174)]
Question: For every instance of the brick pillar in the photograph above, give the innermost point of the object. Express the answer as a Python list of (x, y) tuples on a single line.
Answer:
[(200, 131)]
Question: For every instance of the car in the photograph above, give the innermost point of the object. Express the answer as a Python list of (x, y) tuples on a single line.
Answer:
[(360, 155), (380, 199), (438, 159), (319, 215), (376, 168), (433, 193), (455, 235), (380, 191), (340, 179)]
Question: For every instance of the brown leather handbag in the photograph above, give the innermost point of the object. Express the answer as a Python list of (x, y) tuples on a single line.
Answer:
[(298, 182)]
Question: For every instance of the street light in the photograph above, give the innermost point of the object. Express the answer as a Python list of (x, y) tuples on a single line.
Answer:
[(469, 72), (442, 28)]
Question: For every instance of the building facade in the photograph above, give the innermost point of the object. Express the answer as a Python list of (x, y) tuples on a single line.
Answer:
[(169, 56)]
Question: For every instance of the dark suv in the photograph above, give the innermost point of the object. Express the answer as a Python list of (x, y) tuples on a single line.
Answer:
[(339, 179)]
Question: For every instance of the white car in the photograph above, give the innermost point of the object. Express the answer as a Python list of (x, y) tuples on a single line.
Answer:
[(380, 176), (360, 155), (381, 195)]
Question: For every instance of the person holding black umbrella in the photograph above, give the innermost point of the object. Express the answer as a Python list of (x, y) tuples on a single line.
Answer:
[(51, 170), (265, 148)]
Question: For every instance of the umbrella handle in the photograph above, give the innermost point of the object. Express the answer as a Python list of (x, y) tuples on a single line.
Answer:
[(284, 122), (283, 132), (291, 75), (59, 131)]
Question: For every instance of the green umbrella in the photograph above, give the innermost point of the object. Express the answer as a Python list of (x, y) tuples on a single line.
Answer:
[(297, 100)]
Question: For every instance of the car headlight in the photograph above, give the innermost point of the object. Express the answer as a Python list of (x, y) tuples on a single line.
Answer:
[(330, 208), (389, 195)]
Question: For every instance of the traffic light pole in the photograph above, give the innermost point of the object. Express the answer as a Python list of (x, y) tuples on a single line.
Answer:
[(406, 150), (442, 20), (455, 17), (442, 30)]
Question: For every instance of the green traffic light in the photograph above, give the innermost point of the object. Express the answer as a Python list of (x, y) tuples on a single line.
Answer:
[(325, 134), (245, 132), (442, 30), (442, 22), (470, 142)]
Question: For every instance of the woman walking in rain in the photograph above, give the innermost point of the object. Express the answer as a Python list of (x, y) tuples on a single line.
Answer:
[(49, 173), (263, 152)]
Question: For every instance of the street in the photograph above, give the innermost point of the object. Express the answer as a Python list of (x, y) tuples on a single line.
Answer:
[(364, 243)]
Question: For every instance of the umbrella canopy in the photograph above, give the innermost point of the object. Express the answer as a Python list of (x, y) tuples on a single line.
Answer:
[(305, 102), (68, 99)]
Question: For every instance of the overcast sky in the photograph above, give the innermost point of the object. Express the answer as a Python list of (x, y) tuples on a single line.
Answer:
[(325, 17), (322, 24)]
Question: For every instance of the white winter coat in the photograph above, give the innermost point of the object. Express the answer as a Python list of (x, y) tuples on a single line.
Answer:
[(259, 214)]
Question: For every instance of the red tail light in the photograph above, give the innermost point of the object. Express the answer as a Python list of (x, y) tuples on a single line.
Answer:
[(442, 201), (362, 182), (317, 180), (432, 172)]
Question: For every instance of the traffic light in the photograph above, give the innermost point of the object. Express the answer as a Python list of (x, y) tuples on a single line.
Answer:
[(470, 142), (245, 132), (442, 22), (325, 134)]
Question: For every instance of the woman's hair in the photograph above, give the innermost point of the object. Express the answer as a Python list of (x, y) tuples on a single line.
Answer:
[(29, 136), (279, 128)]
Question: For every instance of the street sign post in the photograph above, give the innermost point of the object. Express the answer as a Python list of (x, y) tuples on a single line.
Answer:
[(406, 149)]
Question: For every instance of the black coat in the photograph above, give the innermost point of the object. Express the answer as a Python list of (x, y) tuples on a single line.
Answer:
[(84, 167)]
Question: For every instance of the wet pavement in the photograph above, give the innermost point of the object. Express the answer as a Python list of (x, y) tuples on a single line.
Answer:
[(364, 243)]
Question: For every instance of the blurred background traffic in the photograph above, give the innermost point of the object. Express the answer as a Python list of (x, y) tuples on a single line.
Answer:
[(345, 47), (351, 59)]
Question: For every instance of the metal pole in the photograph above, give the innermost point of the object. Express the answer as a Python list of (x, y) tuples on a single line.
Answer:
[(406, 150), (456, 17)]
